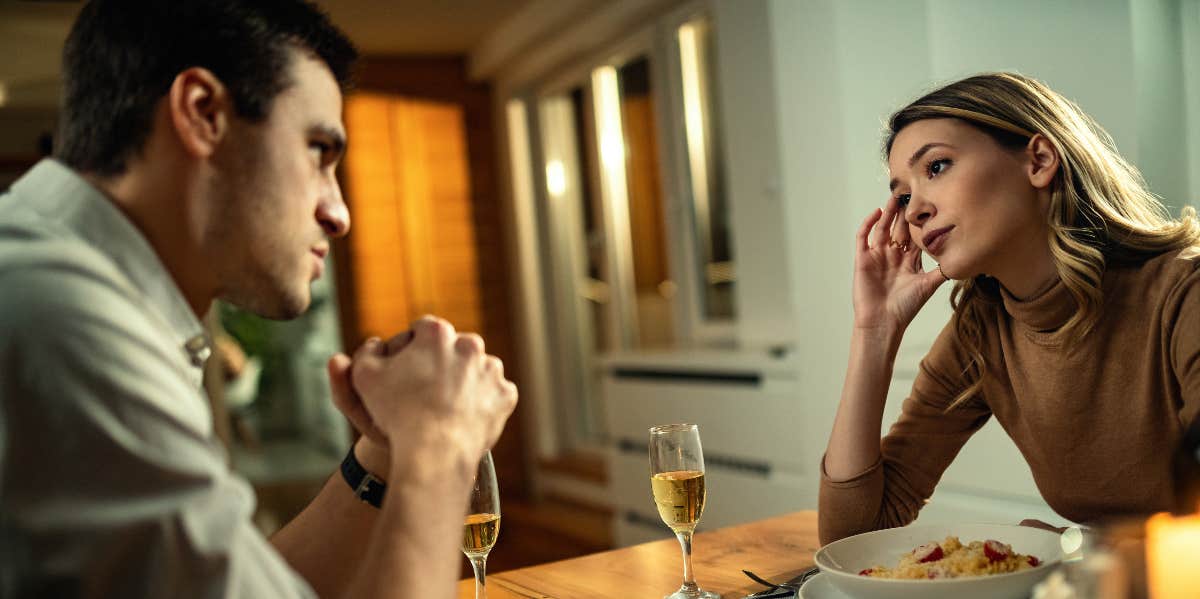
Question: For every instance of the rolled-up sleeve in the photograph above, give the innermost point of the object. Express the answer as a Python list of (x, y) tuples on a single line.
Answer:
[(113, 483)]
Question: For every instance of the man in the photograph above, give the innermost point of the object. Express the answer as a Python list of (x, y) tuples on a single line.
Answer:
[(198, 145)]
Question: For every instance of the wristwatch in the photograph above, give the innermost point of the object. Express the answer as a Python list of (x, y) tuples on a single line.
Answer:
[(368, 488)]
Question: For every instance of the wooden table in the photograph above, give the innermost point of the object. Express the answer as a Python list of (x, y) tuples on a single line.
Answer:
[(776, 549)]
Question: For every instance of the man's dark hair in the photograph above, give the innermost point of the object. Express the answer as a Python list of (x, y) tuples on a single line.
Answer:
[(122, 56)]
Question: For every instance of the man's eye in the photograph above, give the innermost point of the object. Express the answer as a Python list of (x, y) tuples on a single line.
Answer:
[(903, 199), (321, 147)]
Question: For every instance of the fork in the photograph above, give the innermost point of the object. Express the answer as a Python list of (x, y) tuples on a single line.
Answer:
[(786, 589)]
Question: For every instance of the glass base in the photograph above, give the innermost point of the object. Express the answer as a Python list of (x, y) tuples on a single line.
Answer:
[(696, 594)]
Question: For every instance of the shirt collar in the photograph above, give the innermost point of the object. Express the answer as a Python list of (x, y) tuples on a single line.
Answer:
[(71, 204)]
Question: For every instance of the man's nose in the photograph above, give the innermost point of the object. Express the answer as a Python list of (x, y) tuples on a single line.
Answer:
[(333, 214)]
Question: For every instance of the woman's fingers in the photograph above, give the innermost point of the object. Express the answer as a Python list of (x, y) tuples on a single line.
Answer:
[(864, 230), (882, 234), (900, 232), (915, 258)]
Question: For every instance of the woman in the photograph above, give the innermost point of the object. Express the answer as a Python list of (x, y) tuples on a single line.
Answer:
[(1076, 311)]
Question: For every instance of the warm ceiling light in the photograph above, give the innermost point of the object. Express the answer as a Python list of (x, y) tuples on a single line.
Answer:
[(3, 94)]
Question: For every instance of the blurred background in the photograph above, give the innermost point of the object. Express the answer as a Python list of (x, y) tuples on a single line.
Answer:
[(646, 207)]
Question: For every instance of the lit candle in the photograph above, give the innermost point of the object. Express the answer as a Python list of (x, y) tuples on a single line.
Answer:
[(1173, 556)]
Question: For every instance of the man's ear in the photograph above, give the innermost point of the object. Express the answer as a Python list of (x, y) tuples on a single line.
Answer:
[(199, 107), (1042, 161)]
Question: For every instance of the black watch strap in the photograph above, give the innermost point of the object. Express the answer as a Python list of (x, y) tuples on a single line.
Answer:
[(367, 487)]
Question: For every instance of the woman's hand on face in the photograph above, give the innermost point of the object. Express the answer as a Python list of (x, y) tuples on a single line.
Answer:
[(890, 284)]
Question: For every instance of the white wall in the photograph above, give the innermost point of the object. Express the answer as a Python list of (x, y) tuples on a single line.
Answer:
[(841, 67), (1162, 153), (1190, 24)]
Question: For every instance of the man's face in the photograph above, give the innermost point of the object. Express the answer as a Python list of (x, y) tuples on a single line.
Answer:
[(275, 199)]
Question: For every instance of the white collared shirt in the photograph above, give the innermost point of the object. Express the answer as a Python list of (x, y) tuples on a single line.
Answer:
[(112, 481)]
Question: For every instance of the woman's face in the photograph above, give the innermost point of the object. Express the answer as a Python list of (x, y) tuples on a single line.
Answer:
[(970, 202)]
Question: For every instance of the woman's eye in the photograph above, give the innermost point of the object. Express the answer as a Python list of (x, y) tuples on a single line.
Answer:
[(938, 166), (903, 199), (320, 147)]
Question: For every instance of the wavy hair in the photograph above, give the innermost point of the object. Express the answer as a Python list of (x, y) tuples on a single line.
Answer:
[(1100, 209)]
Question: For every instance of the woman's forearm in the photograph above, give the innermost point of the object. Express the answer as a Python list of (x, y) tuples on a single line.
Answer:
[(854, 443)]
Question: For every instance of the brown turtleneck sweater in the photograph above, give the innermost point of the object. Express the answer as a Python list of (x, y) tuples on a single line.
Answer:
[(1097, 422)]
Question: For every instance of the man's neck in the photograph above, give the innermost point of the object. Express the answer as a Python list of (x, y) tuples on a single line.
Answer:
[(155, 201)]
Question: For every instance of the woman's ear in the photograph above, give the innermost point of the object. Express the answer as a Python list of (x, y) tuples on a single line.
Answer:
[(1042, 161), (199, 107)]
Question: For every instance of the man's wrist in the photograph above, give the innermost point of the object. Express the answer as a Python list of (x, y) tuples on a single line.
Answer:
[(367, 487), (433, 458), (374, 457)]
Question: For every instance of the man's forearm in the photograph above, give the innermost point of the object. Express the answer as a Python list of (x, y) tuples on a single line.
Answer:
[(326, 542), (416, 541)]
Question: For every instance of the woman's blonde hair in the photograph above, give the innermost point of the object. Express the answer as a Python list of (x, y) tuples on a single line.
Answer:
[(1100, 209)]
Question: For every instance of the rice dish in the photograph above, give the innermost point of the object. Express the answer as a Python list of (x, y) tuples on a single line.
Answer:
[(952, 559)]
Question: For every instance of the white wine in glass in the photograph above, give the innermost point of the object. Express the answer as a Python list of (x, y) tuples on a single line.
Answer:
[(479, 533), (679, 496), (482, 524), (677, 483)]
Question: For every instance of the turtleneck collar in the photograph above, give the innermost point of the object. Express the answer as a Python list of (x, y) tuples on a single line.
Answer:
[(1044, 312)]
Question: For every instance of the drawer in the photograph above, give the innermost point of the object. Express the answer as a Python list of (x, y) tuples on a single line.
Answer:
[(751, 422), (734, 496)]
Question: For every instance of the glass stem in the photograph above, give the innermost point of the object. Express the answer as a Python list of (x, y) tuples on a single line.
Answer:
[(685, 542), (479, 564)]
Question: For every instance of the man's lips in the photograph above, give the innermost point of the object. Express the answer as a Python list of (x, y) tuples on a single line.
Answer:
[(319, 253), (935, 239)]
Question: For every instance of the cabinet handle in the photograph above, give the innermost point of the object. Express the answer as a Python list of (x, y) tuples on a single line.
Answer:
[(748, 379), (711, 460)]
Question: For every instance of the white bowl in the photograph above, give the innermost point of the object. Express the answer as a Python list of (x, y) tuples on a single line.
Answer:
[(843, 560)]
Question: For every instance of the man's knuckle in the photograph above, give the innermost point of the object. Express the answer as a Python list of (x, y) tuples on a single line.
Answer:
[(469, 344)]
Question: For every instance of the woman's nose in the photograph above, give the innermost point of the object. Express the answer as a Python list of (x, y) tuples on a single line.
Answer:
[(918, 211)]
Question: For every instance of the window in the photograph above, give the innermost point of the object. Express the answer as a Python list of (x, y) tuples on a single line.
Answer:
[(710, 210), (622, 165)]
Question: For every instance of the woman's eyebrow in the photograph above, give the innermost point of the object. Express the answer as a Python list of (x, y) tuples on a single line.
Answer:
[(917, 156)]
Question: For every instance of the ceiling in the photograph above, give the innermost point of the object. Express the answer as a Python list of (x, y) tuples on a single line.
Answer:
[(32, 34)]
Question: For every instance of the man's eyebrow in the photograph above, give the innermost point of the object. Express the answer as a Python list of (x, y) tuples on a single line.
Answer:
[(917, 156), (337, 139)]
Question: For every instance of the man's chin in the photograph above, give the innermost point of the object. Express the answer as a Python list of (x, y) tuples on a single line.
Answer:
[(293, 306), (281, 306)]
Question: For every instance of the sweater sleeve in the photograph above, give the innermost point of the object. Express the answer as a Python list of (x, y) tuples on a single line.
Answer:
[(1182, 320), (914, 454)]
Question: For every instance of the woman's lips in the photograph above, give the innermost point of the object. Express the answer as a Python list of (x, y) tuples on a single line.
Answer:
[(936, 239)]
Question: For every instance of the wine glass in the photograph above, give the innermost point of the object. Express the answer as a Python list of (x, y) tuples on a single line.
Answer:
[(483, 521), (677, 481)]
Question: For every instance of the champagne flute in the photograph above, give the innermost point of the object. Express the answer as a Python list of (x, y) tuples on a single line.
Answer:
[(677, 481), (483, 521)]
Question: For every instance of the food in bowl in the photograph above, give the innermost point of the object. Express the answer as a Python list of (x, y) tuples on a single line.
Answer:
[(952, 559), (842, 562)]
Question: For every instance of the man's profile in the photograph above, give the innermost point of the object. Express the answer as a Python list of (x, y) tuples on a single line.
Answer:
[(196, 161)]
